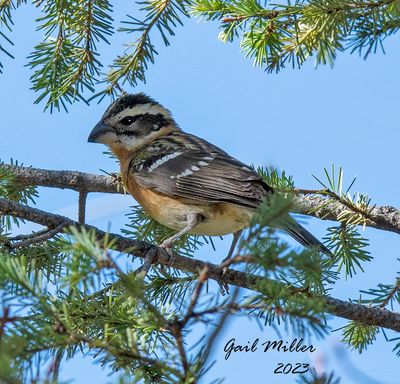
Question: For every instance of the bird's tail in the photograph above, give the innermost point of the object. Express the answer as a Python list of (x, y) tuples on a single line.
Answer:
[(300, 234)]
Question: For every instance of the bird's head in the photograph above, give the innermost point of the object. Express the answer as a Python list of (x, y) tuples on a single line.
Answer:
[(131, 122)]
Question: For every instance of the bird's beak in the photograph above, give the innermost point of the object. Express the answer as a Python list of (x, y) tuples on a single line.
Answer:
[(98, 132)]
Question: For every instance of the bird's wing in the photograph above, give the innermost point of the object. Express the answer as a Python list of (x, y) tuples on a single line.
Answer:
[(200, 172)]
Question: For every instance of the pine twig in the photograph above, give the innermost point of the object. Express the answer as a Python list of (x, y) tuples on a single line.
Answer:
[(224, 317), (27, 236), (176, 330), (196, 294), (82, 206), (391, 294), (120, 89), (36, 237)]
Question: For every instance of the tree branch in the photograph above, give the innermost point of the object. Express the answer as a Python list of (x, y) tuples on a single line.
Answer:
[(38, 237), (77, 181), (386, 218), (348, 310), (82, 206)]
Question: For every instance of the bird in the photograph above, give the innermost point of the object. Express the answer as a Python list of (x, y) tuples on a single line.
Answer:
[(181, 180)]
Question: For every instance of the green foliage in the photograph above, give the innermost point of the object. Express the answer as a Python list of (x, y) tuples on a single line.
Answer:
[(359, 336), (345, 241), (298, 312), (302, 272), (397, 346), (282, 33), (45, 258), (142, 227), (12, 189), (6, 22), (66, 62), (72, 293), (270, 256), (277, 180), (117, 325), (169, 287), (273, 210), (95, 307), (159, 14), (358, 204), (383, 295), (349, 248)]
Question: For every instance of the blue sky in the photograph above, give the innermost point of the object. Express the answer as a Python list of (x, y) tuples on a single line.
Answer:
[(296, 120)]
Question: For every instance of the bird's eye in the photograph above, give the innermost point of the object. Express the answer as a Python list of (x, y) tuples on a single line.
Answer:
[(128, 120)]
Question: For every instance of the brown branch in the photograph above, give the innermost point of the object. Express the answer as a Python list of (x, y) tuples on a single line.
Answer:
[(34, 238), (82, 206), (386, 218), (266, 14), (120, 89), (74, 180), (288, 11), (28, 235), (233, 307), (348, 310), (218, 328), (233, 19), (391, 294), (176, 330), (195, 297)]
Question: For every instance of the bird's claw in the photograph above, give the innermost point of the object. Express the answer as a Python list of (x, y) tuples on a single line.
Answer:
[(148, 261), (223, 266), (167, 247), (223, 288)]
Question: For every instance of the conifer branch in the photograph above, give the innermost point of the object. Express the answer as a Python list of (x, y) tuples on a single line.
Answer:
[(74, 180), (67, 63), (391, 294), (6, 23), (278, 34), (348, 310), (38, 237), (132, 65), (307, 202)]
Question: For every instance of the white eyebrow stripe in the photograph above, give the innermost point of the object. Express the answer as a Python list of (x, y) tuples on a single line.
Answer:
[(163, 160), (145, 108)]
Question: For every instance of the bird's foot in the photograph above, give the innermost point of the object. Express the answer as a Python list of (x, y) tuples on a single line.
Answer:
[(148, 261), (223, 288), (225, 265), (167, 246)]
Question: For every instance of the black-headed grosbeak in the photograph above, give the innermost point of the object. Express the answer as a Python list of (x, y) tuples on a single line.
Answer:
[(182, 181)]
